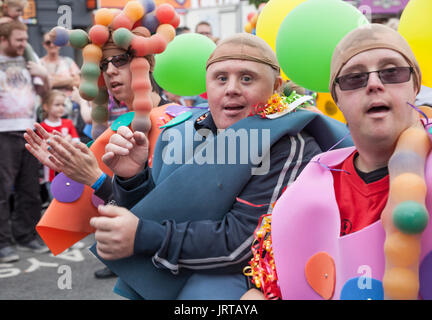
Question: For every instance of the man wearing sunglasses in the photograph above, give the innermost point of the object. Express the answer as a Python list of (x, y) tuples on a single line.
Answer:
[(374, 79)]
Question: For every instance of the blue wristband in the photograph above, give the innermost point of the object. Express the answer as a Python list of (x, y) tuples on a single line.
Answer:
[(99, 181)]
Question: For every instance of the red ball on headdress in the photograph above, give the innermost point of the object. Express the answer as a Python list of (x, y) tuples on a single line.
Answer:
[(122, 21), (165, 13), (99, 34), (140, 45)]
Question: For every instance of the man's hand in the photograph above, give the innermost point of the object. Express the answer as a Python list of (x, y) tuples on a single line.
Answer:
[(115, 232), (126, 152)]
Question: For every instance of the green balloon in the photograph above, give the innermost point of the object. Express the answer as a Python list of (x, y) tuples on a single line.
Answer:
[(308, 36), (410, 217), (90, 71), (78, 38), (180, 69), (100, 114)]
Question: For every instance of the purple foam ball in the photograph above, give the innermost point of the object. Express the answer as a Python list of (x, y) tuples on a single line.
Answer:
[(150, 22), (61, 37), (65, 189), (148, 5)]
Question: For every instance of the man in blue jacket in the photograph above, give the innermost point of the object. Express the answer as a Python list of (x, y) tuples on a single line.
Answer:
[(183, 228)]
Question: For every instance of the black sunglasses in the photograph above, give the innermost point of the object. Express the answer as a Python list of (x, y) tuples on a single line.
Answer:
[(354, 81), (48, 43), (117, 61)]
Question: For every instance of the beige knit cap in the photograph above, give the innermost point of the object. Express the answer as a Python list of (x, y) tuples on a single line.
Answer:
[(244, 46), (371, 36)]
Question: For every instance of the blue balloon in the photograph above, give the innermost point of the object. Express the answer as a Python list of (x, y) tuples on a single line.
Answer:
[(150, 22)]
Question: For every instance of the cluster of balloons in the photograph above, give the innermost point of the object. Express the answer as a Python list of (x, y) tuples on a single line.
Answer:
[(128, 27), (304, 33), (252, 17)]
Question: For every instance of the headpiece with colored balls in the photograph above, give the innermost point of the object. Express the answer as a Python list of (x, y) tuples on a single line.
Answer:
[(142, 30)]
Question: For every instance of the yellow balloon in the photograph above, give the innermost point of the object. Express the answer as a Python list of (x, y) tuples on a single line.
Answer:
[(271, 18), (416, 27), (326, 104)]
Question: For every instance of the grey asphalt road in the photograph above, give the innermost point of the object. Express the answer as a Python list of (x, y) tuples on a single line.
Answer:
[(67, 276)]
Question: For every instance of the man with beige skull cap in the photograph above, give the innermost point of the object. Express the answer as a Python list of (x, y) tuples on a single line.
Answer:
[(195, 214), (374, 79)]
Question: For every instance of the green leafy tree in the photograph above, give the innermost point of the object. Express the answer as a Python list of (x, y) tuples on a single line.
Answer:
[(257, 2)]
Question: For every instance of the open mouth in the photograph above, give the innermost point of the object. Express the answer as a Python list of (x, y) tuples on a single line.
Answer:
[(233, 108), (378, 109)]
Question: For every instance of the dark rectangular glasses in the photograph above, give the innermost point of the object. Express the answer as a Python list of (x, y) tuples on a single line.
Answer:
[(354, 81), (117, 61)]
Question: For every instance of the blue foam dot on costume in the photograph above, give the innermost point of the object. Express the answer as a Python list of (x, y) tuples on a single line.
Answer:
[(362, 288), (123, 120), (425, 277)]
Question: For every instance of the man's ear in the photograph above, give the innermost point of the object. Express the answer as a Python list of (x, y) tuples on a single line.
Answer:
[(278, 84)]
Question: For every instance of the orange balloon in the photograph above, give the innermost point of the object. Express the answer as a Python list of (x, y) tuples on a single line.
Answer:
[(401, 284), (419, 135), (402, 249), (408, 186)]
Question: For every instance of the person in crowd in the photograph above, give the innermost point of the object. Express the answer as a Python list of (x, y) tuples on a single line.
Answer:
[(374, 78), (18, 169)]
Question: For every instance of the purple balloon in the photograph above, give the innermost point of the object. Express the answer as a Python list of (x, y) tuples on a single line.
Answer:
[(65, 189), (149, 5), (150, 22), (61, 37)]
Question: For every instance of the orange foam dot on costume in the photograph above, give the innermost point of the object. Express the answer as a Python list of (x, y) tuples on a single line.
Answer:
[(320, 272)]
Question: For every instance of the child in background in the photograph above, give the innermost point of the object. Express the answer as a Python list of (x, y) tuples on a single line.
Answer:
[(53, 106)]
